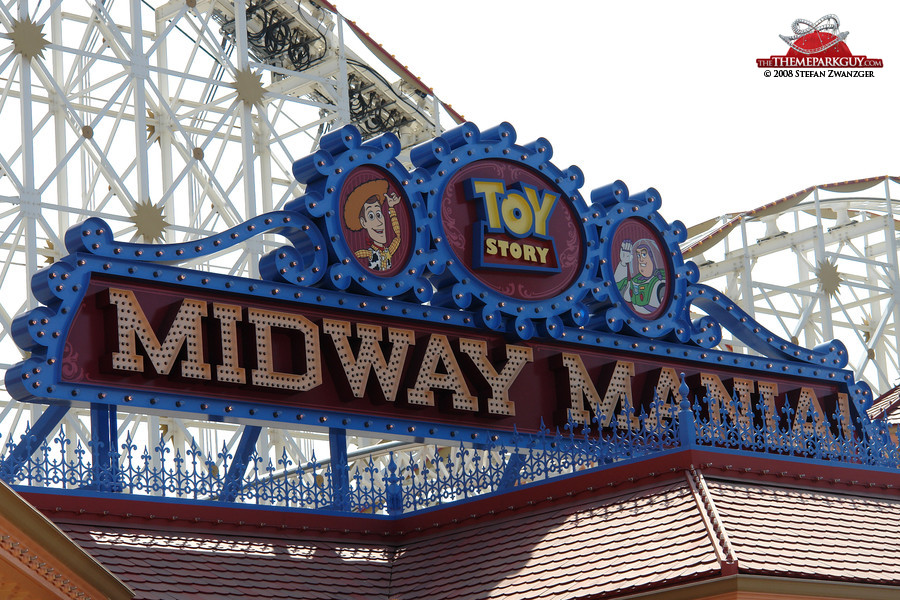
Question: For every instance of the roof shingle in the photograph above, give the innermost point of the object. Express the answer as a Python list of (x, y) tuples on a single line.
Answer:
[(818, 534), (592, 546)]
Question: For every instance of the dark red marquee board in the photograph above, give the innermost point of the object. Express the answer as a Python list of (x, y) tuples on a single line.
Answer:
[(541, 391)]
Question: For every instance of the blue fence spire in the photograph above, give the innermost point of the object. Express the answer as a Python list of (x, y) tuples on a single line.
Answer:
[(393, 484)]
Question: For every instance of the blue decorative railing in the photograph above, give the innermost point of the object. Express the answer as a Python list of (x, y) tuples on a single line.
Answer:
[(397, 483)]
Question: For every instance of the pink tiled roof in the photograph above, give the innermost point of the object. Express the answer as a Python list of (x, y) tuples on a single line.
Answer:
[(162, 565), (682, 527), (600, 546), (638, 540), (801, 533), (885, 406)]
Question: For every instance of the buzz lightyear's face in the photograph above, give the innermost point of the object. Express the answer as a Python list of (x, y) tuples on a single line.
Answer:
[(372, 220), (645, 261)]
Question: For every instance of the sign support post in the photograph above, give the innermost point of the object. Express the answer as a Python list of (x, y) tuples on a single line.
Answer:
[(340, 476)]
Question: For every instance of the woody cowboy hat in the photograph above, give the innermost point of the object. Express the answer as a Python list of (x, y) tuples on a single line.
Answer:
[(376, 188)]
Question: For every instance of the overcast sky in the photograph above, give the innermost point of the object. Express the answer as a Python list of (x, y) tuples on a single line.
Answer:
[(662, 94)]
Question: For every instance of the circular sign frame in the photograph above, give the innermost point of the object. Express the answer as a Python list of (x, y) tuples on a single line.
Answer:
[(487, 195), (371, 210)]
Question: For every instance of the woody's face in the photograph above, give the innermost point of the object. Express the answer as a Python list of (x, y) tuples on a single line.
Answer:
[(372, 220)]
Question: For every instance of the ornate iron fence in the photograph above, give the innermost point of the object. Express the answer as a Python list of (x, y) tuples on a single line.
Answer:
[(397, 483)]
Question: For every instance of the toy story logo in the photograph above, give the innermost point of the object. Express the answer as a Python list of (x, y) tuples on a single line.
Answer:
[(513, 232), (500, 217)]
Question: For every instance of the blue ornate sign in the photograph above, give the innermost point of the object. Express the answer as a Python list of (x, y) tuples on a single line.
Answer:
[(478, 292)]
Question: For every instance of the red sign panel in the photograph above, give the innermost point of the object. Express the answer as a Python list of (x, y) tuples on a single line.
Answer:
[(131, 335)]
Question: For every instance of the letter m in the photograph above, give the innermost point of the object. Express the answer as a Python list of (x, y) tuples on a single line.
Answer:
[(132, 325)]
